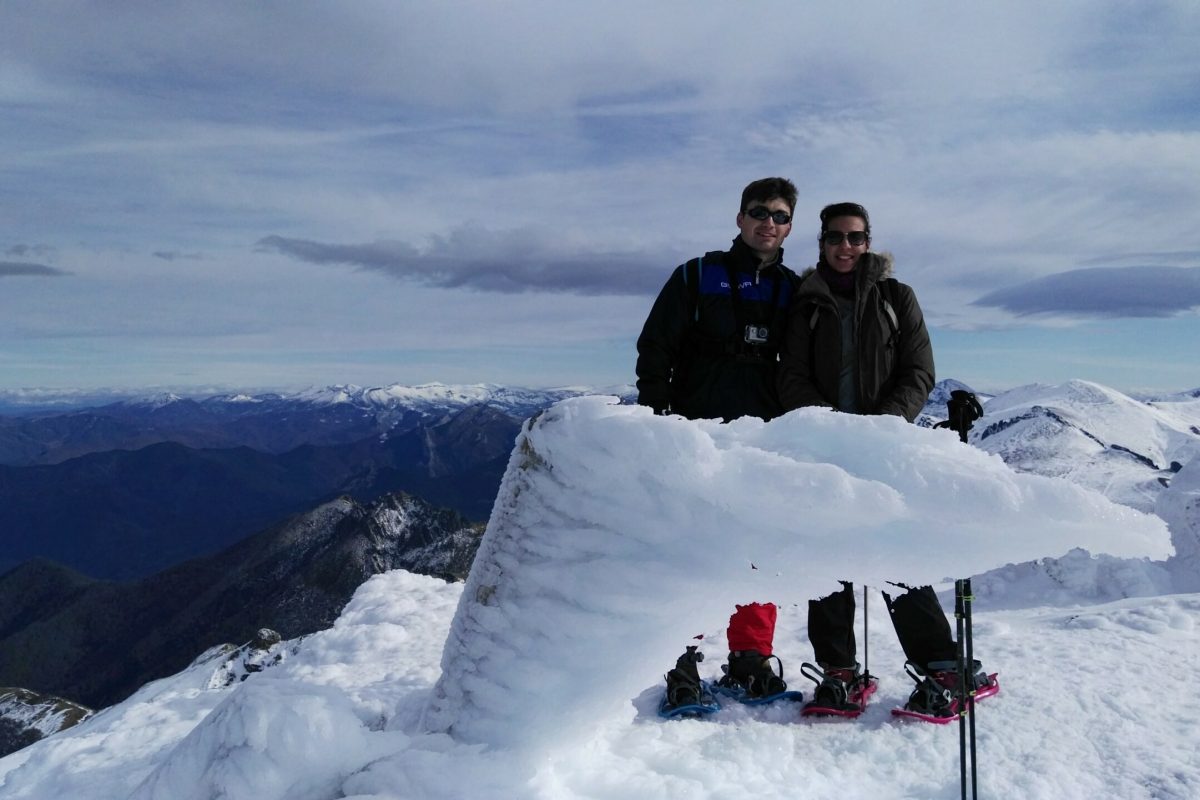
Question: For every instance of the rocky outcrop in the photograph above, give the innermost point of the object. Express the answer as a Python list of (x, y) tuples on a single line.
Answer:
[(26, 717), (99, 641)]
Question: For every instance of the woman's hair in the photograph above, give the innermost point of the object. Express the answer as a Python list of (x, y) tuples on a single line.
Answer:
[(845, 210)]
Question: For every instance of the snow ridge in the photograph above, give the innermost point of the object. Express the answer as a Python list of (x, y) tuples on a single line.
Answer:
[(1094, 436), (756, 508)]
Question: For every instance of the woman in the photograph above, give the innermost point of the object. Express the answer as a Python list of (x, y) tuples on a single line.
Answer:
[(856, 338)]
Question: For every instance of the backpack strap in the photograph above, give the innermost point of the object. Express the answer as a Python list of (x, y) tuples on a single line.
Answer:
[(887, 292), (693, 273)]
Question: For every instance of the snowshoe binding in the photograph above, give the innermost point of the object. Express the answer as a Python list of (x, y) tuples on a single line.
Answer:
[(687, 695), (750, 679), (840, 692), (935, 699)]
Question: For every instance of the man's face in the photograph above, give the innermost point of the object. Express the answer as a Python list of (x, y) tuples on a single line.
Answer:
[(764, 236), (844, 256)]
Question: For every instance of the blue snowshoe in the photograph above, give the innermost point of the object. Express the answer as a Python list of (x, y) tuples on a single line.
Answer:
[(750, 679), (687, 695)]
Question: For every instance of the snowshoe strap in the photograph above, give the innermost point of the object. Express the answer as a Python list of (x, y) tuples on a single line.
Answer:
[(812, 672)]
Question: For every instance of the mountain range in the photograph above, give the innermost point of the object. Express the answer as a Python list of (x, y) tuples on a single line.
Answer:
[(40, 428), (96, 641), (1093, 435), (130, 543), (619, 537), (127, 513), (134, 514)]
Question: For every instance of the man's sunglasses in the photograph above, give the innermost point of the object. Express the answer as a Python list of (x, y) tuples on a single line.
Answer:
[(835, 238), (761, 213)]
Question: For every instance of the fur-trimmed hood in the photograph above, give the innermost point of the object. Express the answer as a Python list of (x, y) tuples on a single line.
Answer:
[(876, 266)]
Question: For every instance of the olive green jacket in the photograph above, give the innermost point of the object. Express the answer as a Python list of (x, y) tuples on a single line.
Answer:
[(894, 362)]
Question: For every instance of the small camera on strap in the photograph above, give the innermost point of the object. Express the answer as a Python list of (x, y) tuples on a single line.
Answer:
[(757, 334)]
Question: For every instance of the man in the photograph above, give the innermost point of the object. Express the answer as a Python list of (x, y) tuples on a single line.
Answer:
[(857, 339), (709, 348)]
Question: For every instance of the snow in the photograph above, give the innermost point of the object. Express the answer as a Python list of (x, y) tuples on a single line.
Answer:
[(616, 538), (427, 393), (1092, 435), (794, 498), (44, 714), (1180, 507)]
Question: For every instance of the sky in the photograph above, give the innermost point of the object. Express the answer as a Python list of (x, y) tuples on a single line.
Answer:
[(279, 195)]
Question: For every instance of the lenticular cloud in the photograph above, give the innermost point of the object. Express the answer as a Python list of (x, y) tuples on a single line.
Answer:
[(612, 524)]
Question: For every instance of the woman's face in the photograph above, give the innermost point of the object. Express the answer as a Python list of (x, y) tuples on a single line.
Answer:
[(835, 242)]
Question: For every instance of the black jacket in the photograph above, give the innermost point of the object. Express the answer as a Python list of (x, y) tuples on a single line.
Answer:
[(693, 358), (895, 367)]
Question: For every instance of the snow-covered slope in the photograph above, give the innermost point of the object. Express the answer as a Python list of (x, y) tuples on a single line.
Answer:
[(1180, 507), (1092, 435), (620, 536), (1079, 576), (285, 732), (337, 719), (27, 716)]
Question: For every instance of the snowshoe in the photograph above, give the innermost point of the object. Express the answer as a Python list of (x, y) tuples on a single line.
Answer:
[(935, 699), (749, 679), (839, 693), (686, 694)]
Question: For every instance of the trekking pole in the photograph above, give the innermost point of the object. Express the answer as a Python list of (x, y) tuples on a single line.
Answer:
[(968, 598), (961, 688), (866, 638)]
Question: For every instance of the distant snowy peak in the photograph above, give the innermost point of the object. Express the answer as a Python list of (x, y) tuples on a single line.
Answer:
[(1093, 435), (424, 398), (935, 409), (1172, 397), (428, 398), (159, 400), (438, 395), (941, 394), (1156, 432)]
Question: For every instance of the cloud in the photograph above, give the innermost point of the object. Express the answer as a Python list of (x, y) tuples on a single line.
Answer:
[(1101, 292), (27, 250), (507, 262), (1172, 258), (9, 268), (172, 255), (599, 153)]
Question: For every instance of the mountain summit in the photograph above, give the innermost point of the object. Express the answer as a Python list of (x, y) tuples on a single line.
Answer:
[(690, 518), (617, 539)]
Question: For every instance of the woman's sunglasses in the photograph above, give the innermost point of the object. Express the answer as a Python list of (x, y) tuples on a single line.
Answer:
[(856, 238)]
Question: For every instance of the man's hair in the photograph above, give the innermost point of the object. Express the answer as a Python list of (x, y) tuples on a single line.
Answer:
[(767, 189), (845, 210)]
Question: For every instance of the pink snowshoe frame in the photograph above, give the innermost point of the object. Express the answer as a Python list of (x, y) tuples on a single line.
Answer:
[(987, 691)]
